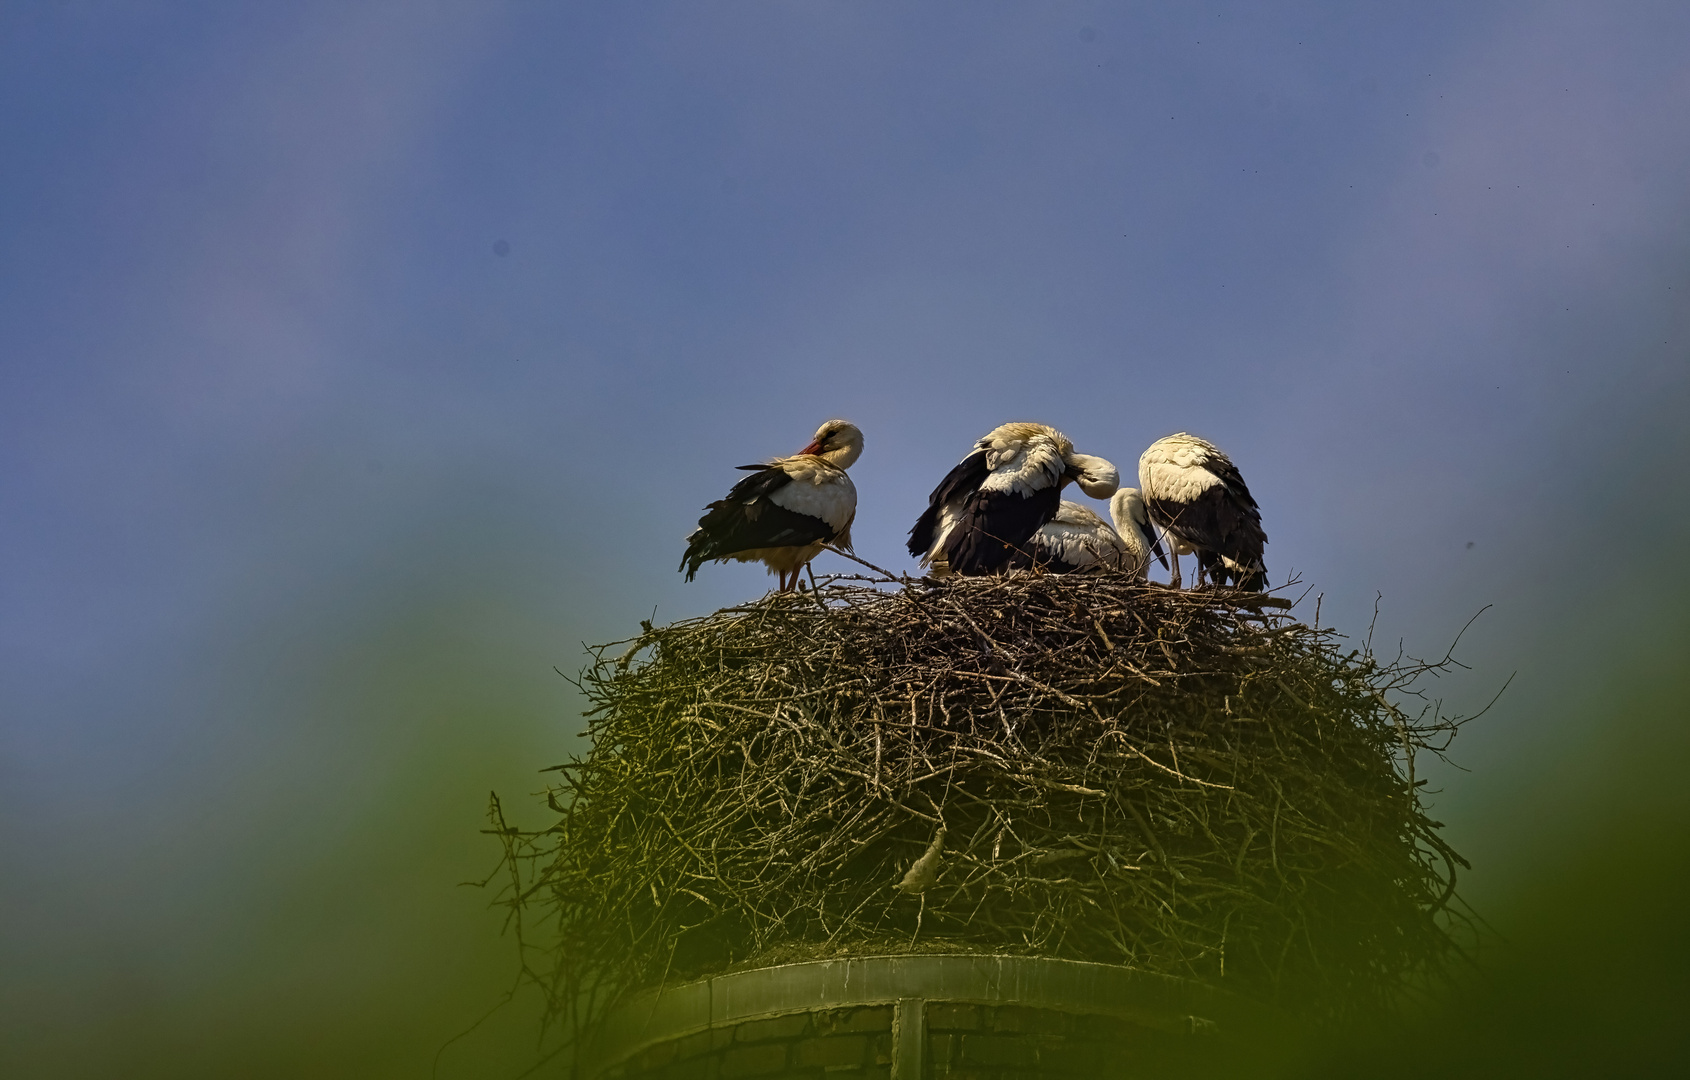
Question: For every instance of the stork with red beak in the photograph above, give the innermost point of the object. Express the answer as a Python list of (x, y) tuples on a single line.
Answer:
[(784, 512), (981, 517)]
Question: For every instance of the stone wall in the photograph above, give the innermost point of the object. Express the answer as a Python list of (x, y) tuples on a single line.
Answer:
[(834, 1043), (963, 1042), (1012, 1042)]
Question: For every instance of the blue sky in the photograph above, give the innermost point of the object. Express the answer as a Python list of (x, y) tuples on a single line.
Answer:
[(359, 361)]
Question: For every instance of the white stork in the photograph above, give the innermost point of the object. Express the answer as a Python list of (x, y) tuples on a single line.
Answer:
[(981, 516), (1132, 522), (1077, 539), (1196, 495), (784, 512)]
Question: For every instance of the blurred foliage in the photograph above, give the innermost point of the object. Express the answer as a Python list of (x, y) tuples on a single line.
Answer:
[(359, 955), (329, 933), (1588, 969)]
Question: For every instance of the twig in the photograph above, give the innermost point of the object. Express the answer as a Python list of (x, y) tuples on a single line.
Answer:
[(753, 786), (886, 574)]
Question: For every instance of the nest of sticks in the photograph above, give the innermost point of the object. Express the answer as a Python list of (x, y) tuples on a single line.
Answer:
[(1084, 766)]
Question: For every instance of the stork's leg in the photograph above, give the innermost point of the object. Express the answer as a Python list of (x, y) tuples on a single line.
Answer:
[(1173, 567), (1214, 570)]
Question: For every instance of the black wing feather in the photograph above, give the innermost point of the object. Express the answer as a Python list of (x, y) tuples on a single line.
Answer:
[(748, 519), (1156, 546), (963, 480), (1222, 520), (995, 526), (1228, 474), (1034, 556)]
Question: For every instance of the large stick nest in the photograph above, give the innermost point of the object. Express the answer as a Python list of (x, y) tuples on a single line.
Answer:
[(1191, 783)]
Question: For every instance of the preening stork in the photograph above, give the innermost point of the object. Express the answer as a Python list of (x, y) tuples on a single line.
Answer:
[(983, 513), (1196, 495), (784, 512)]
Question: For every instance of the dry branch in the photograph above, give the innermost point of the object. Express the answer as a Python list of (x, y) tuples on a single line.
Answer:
[(1186, 782)]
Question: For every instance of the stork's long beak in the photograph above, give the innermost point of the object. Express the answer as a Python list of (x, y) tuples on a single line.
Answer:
[(813, 448), (1096, 477), (1156, 546)]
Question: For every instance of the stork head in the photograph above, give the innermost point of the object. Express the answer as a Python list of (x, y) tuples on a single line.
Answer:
[(1096, 477), (837, 441)]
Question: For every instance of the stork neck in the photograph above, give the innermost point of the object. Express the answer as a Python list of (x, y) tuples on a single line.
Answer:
[(842, 458)]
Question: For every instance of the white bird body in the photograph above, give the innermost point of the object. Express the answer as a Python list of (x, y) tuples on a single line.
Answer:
[(983, 513), (784, 512), (1076, 539), (1196, 496), (819, 489), (1176, 467), (1023, 458)]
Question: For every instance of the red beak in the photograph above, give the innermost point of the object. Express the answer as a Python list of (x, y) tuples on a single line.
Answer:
[(813, 448)]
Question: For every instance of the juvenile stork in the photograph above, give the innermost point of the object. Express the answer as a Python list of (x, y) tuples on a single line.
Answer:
[(1196, 495), (1077, 539), (983, 513), (1132, 522), (784, 512)]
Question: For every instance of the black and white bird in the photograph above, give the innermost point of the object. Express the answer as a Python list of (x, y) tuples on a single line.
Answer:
[(983, 513), (1077, 539), (784, 512), (1196, 496), (1132, 523)]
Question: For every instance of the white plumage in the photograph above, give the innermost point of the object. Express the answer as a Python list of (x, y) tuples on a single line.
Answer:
[(818, 489), (1195, 494), (1077, 539), (784, 512), (983, 513), (1132, 524)]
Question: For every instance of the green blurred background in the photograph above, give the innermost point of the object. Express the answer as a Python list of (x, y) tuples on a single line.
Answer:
[(359, 362)]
